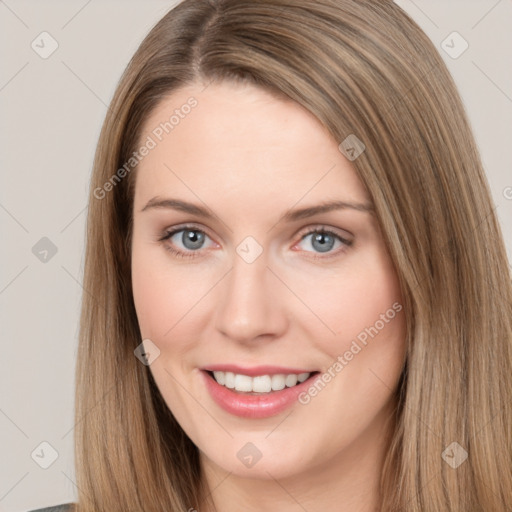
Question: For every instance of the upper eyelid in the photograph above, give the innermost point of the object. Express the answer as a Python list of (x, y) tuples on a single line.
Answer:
[(322, 228), (168, 231)]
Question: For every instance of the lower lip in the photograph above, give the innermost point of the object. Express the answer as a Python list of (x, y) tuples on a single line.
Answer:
[(254, 406)]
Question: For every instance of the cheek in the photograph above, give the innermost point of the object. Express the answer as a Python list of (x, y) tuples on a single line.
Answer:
[(170, 299), (361, 304), (150, 295), (160, 296)]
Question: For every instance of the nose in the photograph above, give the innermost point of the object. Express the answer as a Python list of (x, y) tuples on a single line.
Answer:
[(251, 302)]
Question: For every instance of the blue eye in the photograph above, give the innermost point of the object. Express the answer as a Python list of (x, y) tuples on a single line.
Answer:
[(187, 242), (190, 238), (324, 241)]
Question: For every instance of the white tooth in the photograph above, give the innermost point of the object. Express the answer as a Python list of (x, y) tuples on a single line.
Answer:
[(291, 380), (219, 377), (259, 384), (243, 383), (229, 378), (302, 377), (278, 382), (262, 384)]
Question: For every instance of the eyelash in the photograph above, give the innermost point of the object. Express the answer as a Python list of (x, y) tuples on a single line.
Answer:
[(194, 254)]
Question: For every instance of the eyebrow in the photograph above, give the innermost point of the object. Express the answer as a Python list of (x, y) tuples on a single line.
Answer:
[(289, 216)]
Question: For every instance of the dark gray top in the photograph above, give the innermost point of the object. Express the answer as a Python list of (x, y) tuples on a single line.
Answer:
[(65, 507)]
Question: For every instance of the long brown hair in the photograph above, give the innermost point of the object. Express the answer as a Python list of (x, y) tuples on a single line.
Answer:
[(363, 68)]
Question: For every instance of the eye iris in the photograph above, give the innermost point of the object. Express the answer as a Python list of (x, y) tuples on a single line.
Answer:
[(326, 242), (192, 239)]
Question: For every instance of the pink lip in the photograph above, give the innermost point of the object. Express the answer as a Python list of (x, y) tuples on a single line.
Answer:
[(254, 371), (254, 406)]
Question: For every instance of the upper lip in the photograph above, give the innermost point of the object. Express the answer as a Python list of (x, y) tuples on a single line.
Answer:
[(254, 371)]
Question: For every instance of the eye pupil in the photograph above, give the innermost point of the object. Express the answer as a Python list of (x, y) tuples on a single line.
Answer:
[(325, 241), (192, 239)]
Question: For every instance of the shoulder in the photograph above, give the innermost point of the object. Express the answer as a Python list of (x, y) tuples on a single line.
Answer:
[(66, 507)]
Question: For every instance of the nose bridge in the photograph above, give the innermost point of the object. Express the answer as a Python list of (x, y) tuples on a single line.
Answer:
[(248, 306)]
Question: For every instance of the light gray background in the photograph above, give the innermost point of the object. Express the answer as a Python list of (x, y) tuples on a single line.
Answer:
[(52, 111)]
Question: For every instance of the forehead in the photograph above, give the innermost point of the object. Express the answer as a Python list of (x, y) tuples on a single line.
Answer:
[(237, 140)]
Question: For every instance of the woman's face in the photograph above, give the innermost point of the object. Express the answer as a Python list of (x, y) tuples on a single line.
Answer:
[(237, 270)]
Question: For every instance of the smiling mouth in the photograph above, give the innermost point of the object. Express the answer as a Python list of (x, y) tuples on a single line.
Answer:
[(260, 384)]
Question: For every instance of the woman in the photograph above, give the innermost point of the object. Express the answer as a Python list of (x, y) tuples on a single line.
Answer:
[(297, 291)]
